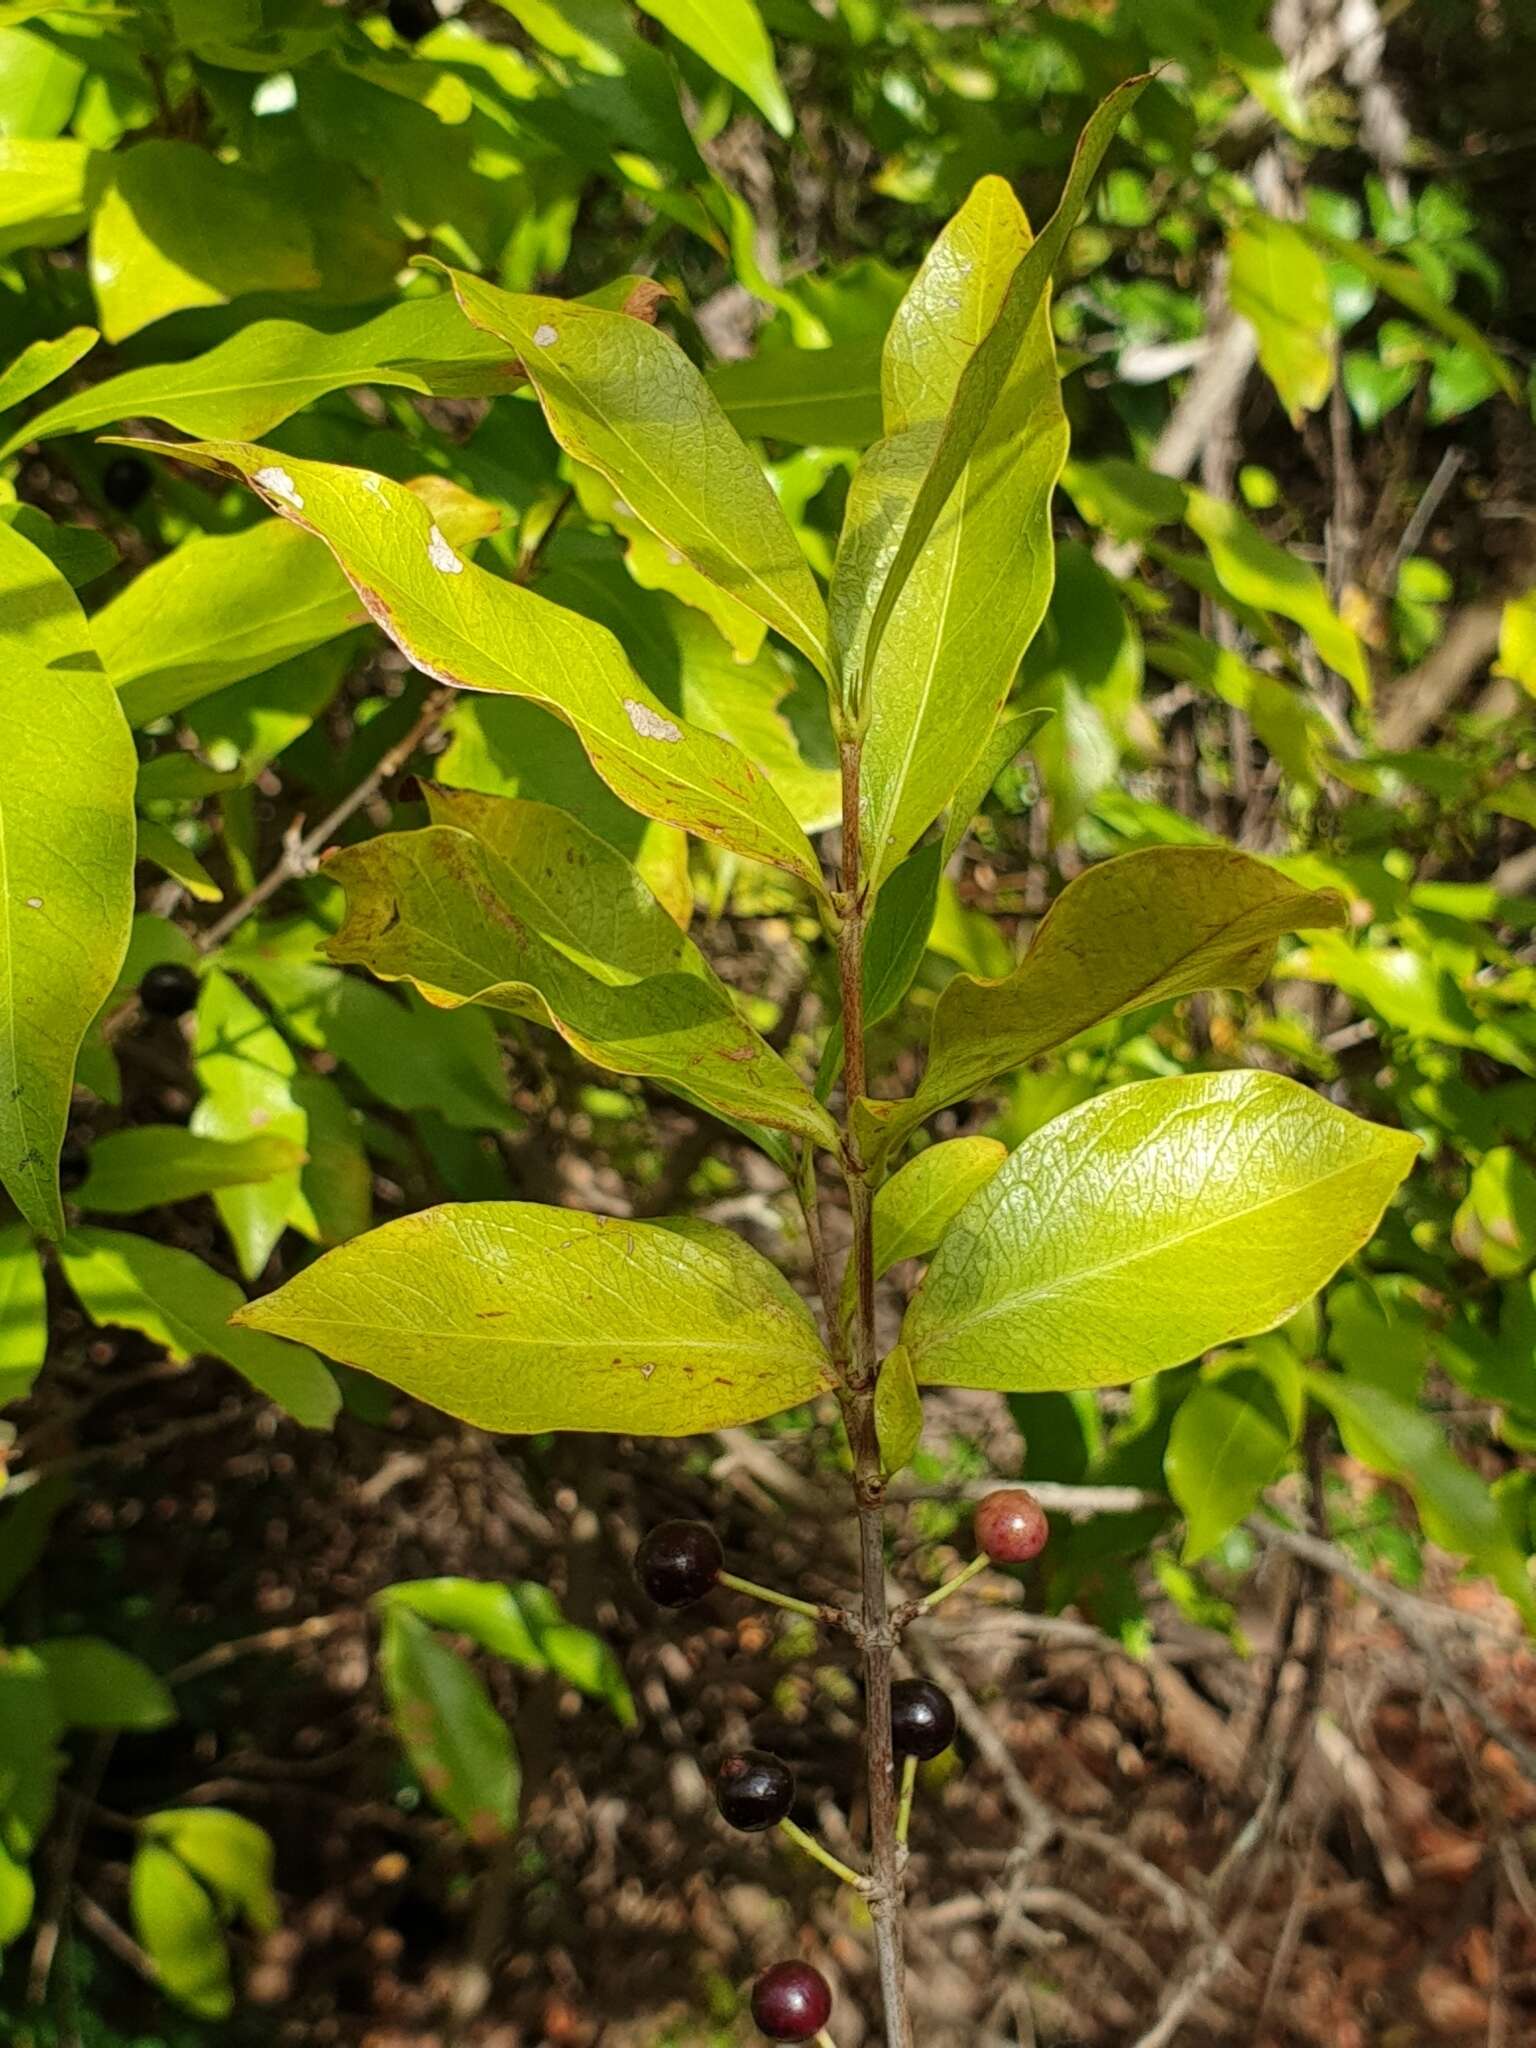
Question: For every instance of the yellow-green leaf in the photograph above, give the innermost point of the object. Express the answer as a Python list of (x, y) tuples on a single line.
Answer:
[(1229, 1439), (458, 1745), (149, 1164), (916, 1206), (898, 1412), (729, 35), (247, 1071), (232, 1856), (1279, 284), (179, 1931), (523, 1318), (1144, 1227)]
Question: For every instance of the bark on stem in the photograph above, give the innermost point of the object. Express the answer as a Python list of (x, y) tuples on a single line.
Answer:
[(858, 1400)]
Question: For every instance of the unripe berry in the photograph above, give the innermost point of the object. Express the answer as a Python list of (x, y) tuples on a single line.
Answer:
[(678, 1562), (168, 989), (922, 1719), (791, 2002), (753, 1790), (1010, 1526)]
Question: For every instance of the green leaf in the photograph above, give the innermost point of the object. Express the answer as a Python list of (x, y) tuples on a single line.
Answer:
[(1139, 929), (522, 1623), (811, 398), (1279, 284), (217, 609), (730, 37), (1517, 641), (1228, 1441), (898, 1412), (232, 1856), (916, 1206), (97, 1685), (976, 595), (1454, 1503), (516, 905), (621, 396), (523, 1318), (465, 626), (178, 228), (17, 1897), (457, 1743), (246, 1072), (271, 369), (149, 1164), (179, 1930), (79, 553), (23, 1312), (1144, 1227), (66, 865), (1409, 287), (985, 376), (1003, 747), (47, 191), (177, 1301), (39, 364), (38, 84)]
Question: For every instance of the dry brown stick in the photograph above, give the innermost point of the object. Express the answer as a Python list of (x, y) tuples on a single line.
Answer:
[(272, 1639), (130, 1448)]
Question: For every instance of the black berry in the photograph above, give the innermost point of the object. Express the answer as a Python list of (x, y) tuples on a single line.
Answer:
[(74, 1164), (754, 1790), (125, 482), (922, 1719), (678, 1562), (412, 19), (168, 989), (791, 2002), (1010, 1526)]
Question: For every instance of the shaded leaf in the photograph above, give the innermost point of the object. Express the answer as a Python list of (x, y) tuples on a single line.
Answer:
[(898, 1412), (97, 1685), (457, 1743), (1228, 1441), (179, 1931), (141, 1167), (232, 1856), (23, 1312)]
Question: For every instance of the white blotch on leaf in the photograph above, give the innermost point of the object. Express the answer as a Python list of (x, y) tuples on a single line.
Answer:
[(442, 556), (280, 484), (544, 336), (34, 903), (648, 723), (373, 483)]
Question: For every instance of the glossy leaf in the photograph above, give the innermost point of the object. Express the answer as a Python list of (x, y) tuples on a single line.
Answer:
[(521, 1318), (972, 602), (621, 396), (463, 625), (132, 1283), (457, 1743), (916, 1206), (984, 378), (230, 1854), (178, 1929), (1140, 929), (518, 906), (729, 35), (23, 1312), (40, 363), (97, 1685), (1279, 284), (1229, 1440), (1146, 1226), (66, 865), (47, 191), (141, 1167)]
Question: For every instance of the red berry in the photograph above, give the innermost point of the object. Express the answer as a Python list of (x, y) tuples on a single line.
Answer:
[(1011, 1526), (922, 1719), (791, 2002), (678, 1562), (753, 1790)]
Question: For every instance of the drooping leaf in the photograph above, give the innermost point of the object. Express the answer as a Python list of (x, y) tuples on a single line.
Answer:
[(458, 1745), (1279, 284), (231, 1855), (143, 1166), (1228, 1441), (177, 1301), (66, 864), (40, 363), (898, 1412), (521, 1318), (97, 1685), (1146, 1226), (975, 596), (463, 625), (217, 609), (178, 1929), (23, 1312), (1139, 929), (729, 35), (620, 395), (985, 376), (518, 906)]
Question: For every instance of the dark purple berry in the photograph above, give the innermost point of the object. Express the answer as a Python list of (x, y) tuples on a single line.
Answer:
[(922, 1719), (74, 1164), (753, 1790), (1011, 1527), (412, 19), (125, 482), (791, 2002), (168, 989), (678, 1562)]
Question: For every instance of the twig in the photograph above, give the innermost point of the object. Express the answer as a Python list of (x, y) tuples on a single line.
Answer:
[(129, 1449), (110, 1935), (287, 1638), (1418, 525)]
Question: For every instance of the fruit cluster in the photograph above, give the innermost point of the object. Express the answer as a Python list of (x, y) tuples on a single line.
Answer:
[(679, 1562)]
